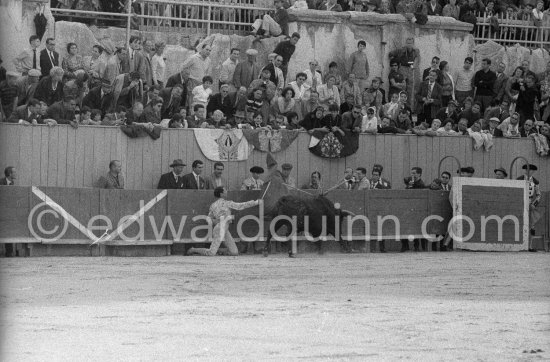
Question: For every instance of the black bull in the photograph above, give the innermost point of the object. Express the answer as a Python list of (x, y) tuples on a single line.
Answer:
[(315, 216)]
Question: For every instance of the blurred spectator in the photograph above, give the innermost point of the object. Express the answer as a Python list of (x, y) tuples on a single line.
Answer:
[(333, 71), (314, 181), (451, 10), (158, 65), (27, 86), (8, 93), (197, 66)]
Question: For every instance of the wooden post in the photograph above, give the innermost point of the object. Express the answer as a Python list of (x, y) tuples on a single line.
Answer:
[(129, 21)]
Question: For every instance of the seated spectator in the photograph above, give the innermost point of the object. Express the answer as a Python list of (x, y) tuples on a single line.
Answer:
[(462, 127), (472, 115), (268, 87), (350, 88), (285, 103), (492, 127), (348, 104), (114, 178), (370, 122), (173, 100), (217, 121), (528, 128), (8, 93), (26, 114), (152, 112), (50, 88), (101, 98), (198, 116), (274, 67), (268, 26), (221, 101), (328, 93), (314, 78), (314, 181), (63, 112), (403, 123), (397, 80), (330, 5), (254, 182), (313, 121), (391, 109), (73, 61), (136, 117), (510, 126), (333, 120), (403, 102), (95, 117), (311, 104), (128, 89), (293, 122), (85, 116), (434, 9), (451, 10), (42, 114), (352, 121), (26, 86), (202, 92), (386, 127), (450, 111), (447, 129), (301, 91), (177, 121), (256, 103), (152, 93), (76, 86), (256, 122), (117, 118)]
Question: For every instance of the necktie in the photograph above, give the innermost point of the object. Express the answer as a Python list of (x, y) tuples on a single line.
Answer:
[(34, 59), (177, 178), (429, 95), (52, 59), (198, 183)]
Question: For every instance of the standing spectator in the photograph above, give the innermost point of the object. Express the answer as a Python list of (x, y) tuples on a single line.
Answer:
[(158, 65), (500, 83), (228, 67), (73, 61), (29, 58), (216, 179), (331, 5), (112, 67), (174, 179), (397, 80), (373, 97), (377, 181), (314, 78), (451, 10), (484, 83), (27, 86), (246, 72), (197, 66), (428, 98), (145, 67), (351, 89), (464, 81), (434, 66), (285, 49), (527, 98), (2, 71), (434, 9), (93, 64), (510, 91), (414, 181), (194, 180), (333, 70), (328, 93), (114, 178), (447, 84), (277, 76), (408, 58), (49, 58), (254, 182), (358, 64), (8, 93), (128, 89), (135, 57)]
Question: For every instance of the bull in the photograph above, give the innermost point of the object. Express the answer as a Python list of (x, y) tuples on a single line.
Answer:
[(317, 216)]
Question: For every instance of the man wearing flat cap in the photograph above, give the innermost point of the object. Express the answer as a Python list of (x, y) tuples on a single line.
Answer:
[(466, 171), (26, 86), (500, 173), (534, 195), (492, 128), (246, 72), (253, 182), (174, 179)]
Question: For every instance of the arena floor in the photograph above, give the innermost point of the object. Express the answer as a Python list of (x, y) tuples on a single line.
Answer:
[(415, 306)]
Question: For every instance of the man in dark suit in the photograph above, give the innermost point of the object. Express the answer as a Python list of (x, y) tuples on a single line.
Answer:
[(221, 101), (492, 127), (101, 97), (428, 98), (130, 91), (434, 66), (26, 114), (63, 112), (179, 78), (173, 99), (9, 176), (448, 112), (174, 179), (194, 180), (49, 58)]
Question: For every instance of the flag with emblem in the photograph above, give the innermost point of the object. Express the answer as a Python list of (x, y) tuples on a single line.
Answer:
[(222, 144)]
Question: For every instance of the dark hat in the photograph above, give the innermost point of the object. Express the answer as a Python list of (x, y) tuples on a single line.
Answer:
[(177, 162), (257, 169), (393, 62), (270, 161), (466, 170), (135, 75), (286, 166), (501, 169), (531, 167), (105, 81), (295, 35)]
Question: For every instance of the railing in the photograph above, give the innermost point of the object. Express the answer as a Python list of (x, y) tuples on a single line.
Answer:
[(202, 17), (513, 29)]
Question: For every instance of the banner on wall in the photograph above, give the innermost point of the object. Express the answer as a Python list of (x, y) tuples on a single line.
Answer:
[(266, 140), (333, 144), (222, 144)]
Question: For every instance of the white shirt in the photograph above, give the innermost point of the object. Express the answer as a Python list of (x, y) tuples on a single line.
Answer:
[(309, 80), (369, 124), (227, 70), (301, 92), (159, 68), (201, 95)]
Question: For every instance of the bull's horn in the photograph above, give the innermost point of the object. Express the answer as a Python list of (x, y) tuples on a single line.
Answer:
[(349, 213)]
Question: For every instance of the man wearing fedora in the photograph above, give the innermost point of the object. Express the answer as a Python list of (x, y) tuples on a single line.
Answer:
[(534, 195), (500, 173), (253, 182), (174, 179)]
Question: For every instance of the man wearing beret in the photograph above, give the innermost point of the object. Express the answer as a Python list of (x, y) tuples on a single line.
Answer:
[(253, 182), (174, 179), (534, 195)]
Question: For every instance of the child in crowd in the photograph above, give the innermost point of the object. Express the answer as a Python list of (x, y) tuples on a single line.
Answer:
[(202, 93)]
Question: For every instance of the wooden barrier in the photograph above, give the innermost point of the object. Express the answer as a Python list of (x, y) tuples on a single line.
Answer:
[(98, 210), (65, 157)]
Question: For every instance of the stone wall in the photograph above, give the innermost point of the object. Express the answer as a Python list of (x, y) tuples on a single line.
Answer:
[(512, 56)]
